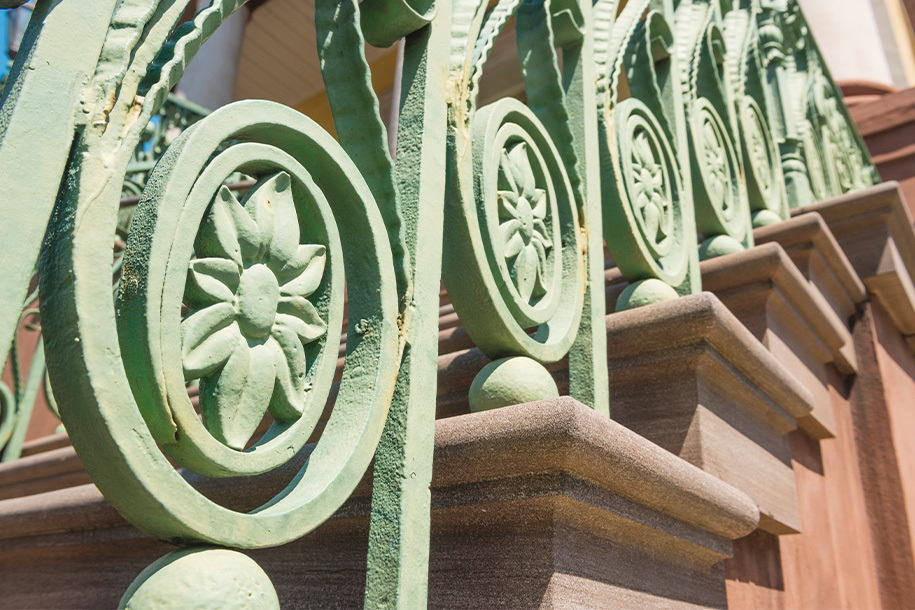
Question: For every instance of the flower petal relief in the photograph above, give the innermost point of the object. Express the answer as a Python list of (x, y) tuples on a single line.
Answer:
[(522, 212), (717, 164), (651, 197), (250, 319), (759, 153)]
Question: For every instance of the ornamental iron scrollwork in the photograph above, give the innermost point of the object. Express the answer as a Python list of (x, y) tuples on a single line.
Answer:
[(163, 128), (823, 155), (648, 211), (828, 125), (262, 281), (19, 402), (528, 261), (765, 179), (643, 124), (719, 188), (243, 294), (523, 256)]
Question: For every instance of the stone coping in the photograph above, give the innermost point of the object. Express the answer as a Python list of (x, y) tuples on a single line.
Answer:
[(555, 436), (802, 235), (874, 227), (564, 435), (45, 443), (768, 269), (53, 469), (883, 204), (689, 376), (42, 471), (700, 322)]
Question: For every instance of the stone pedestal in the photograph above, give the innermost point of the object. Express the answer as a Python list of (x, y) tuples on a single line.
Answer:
[(874, 228), (541, 505), (817, 255), (767, 293), (687, 375), (552, 505)]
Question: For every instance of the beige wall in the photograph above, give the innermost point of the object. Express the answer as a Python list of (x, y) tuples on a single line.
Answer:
[(849, 37), (209, 79), (869, 40)]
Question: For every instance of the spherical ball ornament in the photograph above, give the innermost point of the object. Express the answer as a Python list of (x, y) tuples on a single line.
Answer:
[(202, 578), (645, 292), (764, 218), (719, 245), (511, 381)]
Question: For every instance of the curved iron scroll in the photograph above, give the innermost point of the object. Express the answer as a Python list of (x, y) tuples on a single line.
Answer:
[(261, 298), (648, 212)]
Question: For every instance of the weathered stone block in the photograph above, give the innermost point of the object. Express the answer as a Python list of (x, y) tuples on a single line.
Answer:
[(767, 293), (818, 256), (874, 228), (687, 375), (547, 504)]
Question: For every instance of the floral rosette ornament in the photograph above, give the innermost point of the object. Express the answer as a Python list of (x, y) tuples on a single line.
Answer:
[(717, 171), (514, 239), (250, 318), (650, 190), (522, 212), (248, 296)]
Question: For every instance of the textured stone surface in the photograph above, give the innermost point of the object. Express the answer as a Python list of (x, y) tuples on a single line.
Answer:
[(874, 228), (54, 469), (688, 376), (883, 419), (818, 256), (546, 504), (767, 293), (888, 126), (831, 564)]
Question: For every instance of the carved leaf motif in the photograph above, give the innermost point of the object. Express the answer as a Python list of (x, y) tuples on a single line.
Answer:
[(666, 224), (510, 179), (259, 204), (514, 243), (208, 337), (288, 395), (652, 219), (524, 173), (540, 249), (650, 196), (300, 316), (228, 231), (539, 201), (284, 241), (306, 268), (210, 281), (644, 156), (233, 402), (508, 205), (525, 272), (759, 152), (716, 164)]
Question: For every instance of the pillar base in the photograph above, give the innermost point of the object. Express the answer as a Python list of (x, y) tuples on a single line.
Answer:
[(688, 376), (767, 293)]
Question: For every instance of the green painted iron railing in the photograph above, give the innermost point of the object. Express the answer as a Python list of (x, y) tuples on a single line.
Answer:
[(647, 122), (19, 401)]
